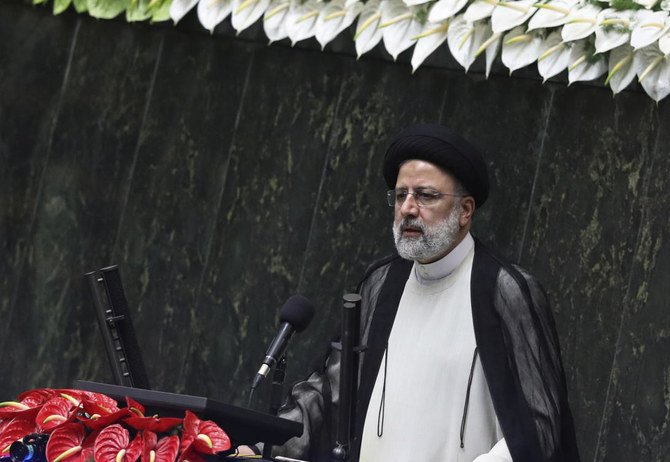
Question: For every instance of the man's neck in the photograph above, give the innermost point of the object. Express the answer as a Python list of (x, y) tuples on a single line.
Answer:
[(447, 264)]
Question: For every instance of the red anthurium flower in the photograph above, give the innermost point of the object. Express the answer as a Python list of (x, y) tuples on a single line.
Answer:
[(66, 443), (154, 424), (98, 422), (14, 430), (191, 456), (29, 403), (135, 408), (163, 450), (205, 437), (113, 445), (105, 403), (55, 412)]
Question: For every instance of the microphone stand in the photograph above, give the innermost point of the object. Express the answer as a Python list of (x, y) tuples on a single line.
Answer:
[(349, 350), (276, 395)]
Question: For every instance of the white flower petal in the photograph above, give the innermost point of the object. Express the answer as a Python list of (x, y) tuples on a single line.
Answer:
[(247, 12), (551, 14), (581, 23), (654, 72), (368, 33), (664, 44), (445, 9), (415, 2), (179, 8), (613, 29), (649, 29), (648, 4), (464, 39), (494, 42), (520, 49), (622, 68), (480, 9), (212, 12), (301, 20), (398, 27), (509, 14), (556, 57), (274, 20), (431, 37), (584, 67), (334, 18)]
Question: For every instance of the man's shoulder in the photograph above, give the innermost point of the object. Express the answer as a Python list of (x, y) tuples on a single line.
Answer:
[(378, 268)]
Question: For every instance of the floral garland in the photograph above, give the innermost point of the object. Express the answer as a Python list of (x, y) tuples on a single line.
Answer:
[(47, 425), (589, 38)]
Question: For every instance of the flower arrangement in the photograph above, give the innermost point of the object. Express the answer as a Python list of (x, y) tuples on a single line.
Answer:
[(67, 425), (587, 39)]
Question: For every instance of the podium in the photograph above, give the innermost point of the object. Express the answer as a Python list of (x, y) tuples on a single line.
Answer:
[(243, 426)]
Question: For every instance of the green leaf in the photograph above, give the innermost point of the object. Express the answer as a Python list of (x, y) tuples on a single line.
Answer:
[(161, 11), (61, 5), (106, 9), (80, 6), (622, 5)]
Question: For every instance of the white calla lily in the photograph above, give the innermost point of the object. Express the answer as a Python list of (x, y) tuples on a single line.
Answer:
[(274, 20), (649, 29), (556, 57), (664, 43), (301, 20), (179, 8), (654, 74), (334, 18), (432, 36), (584, 65), (465, 38), (553, 13), (509, 14), (623, 66), (613, 29), (368, 34), (581, 23), (212, 12), (399, 26), (247, 12), (445, 9), (480, 9), (521, 48)]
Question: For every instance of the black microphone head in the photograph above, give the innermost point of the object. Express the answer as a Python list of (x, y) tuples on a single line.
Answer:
[(298, 311)]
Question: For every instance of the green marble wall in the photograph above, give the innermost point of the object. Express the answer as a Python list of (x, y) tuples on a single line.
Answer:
[(223, 175)]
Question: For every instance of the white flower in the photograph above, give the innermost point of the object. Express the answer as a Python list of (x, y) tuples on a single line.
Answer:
[(212, 12), (464, 39), (521, 49), (654, 75), (398, 27), (431, 37), (622, 68), (648, 4), (649, 28), (613, 29), (491, 45), (509, 14), (583, 65), (551, 14), (415, 2), (334, 18), (274, 20), (556, 56), (301, 20), (445, 9), (480, 9), (247, 12), (368, 33), (664, 43), (179, 8), (581, 23)]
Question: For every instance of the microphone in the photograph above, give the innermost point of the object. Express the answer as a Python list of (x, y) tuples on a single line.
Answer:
[(294, 316)]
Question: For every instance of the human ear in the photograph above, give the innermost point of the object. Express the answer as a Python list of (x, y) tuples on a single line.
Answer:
[(467, 210)]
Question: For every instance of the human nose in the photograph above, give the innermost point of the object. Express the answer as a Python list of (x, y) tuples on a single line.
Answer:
[(409, 206)]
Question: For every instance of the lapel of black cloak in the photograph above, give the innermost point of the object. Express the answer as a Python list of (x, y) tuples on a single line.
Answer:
[(380, 329), (498, 361)]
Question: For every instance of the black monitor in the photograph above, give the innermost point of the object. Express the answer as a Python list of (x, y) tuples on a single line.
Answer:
[(116, 328)]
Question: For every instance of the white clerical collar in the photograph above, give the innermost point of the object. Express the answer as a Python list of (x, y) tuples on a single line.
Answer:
[(446, 265)]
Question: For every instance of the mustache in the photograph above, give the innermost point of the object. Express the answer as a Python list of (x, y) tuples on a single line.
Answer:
[(411, 223)]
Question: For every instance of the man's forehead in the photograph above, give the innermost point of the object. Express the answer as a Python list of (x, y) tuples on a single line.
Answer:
[(424, 168)]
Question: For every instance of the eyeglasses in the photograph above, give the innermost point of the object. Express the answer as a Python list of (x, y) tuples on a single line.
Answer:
[(423, 197)]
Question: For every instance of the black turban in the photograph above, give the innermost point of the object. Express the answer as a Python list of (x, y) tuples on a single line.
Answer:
[(443, 147)]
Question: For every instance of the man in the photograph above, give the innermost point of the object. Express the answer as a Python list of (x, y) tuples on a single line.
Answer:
[(462, 360)]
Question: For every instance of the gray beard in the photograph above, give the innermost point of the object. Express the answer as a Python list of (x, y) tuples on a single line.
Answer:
[(433, 241)]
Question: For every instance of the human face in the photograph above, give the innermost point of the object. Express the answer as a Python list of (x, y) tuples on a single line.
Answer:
[(426, 234)]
